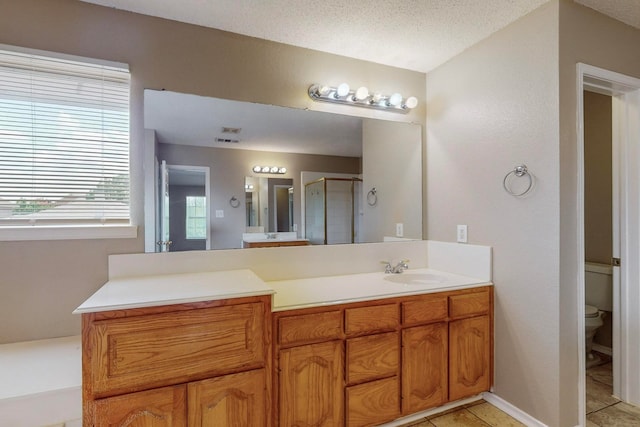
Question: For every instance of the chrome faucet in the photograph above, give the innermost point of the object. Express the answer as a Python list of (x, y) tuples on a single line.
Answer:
[(399, 268)]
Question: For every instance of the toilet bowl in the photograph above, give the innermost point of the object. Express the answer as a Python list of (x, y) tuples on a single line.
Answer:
[(593, 321), (598, 279)]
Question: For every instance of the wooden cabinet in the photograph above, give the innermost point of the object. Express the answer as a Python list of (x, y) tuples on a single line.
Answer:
[(163, 407), (275, 243), (355, 365), (230, 401), (311, 384), (424, 367), (372, 393), (373, 403), (189, 364), (367, 363), (470, 343)]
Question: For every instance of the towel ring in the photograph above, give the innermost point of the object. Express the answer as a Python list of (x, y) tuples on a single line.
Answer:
[(234, 202), (372, 197), (519, 171)]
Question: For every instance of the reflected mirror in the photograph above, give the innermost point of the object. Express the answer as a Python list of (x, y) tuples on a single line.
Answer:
[(259, 161), (269, 204)]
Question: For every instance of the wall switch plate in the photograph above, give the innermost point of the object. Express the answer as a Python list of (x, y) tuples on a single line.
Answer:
[(399, 229), (219, 214), (295, 227), (462, 234)]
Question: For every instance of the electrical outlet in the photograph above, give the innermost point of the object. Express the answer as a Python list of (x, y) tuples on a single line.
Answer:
[(219, 214), (462, 234), (399, 229)]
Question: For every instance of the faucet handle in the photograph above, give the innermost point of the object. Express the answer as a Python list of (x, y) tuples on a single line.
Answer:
[(387, 266)]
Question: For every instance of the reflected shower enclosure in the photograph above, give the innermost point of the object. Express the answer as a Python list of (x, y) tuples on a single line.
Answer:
[(332, 207)]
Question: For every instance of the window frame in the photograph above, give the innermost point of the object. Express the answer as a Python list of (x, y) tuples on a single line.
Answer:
[(187, 217), (73, 231)]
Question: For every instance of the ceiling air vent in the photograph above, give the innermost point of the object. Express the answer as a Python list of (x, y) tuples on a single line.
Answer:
[(234, 131), (227, 140)]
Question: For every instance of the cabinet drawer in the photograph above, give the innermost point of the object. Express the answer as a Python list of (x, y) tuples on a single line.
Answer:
[(372, 357), (469, 304), (429, 308), (141, 352), (371, 319), (373, 403), (310, 327)]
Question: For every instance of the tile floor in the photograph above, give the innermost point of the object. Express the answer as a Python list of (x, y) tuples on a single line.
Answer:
[(476, 414), (604, 410)]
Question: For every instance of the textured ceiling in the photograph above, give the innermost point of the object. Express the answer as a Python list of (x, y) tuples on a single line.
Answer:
[(627, 11), (413, 34)]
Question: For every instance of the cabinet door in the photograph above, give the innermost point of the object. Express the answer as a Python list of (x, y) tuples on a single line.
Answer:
[(424, 367), (233, 400), (164, 407), (469, 357), (311, 385)]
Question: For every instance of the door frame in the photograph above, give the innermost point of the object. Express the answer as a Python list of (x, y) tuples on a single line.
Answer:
[(625, 93)]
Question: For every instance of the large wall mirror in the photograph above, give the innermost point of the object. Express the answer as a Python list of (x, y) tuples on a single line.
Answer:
[(221, 173)]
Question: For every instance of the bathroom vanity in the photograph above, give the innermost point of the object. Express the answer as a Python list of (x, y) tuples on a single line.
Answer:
[(166, 346), (227, 348), (367, 363)]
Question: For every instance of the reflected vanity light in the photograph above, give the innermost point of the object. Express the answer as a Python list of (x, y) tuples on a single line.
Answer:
[(269, 169), (361, 97)]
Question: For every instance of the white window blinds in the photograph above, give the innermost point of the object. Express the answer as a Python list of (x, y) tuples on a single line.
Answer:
[(64, 141)]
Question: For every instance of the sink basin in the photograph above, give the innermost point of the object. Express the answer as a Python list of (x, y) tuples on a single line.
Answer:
[(416, 278)]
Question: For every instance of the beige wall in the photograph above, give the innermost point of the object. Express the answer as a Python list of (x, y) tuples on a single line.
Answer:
[(597, 178), (392, 163), (41, 282), (227, 174), (491, 108)]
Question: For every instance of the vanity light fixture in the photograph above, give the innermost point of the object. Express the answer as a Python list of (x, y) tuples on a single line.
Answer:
[(361, 97), (269, 169)]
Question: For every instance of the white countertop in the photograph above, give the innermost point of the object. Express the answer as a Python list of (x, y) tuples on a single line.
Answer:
[(150, 291), (322, 291)]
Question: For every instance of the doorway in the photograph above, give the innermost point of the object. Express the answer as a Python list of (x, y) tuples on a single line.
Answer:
[(624, 93), (183, 208)]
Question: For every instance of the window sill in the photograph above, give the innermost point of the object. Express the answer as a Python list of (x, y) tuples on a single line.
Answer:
[(74, 232)]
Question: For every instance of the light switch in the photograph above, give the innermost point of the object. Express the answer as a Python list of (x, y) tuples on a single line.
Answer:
[(399, 229)]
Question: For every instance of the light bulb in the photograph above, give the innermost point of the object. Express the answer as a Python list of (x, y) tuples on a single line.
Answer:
[(265, 169), (343, 90), (282, 170), (274, 169), (395, 99), (323, 90), (257, 169), (362, 93), (411, 102)]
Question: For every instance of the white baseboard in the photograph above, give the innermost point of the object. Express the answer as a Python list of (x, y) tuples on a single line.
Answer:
[(515, 412), (420, 415), (602, 349)]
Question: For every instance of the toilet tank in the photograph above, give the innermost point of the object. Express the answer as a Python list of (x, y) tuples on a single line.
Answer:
[(598, 281)]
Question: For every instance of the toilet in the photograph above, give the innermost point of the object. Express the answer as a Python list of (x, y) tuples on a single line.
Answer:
[(598, 300), (592, 322)]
